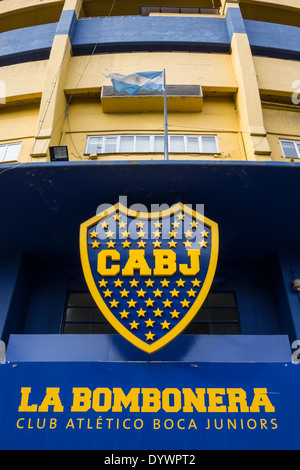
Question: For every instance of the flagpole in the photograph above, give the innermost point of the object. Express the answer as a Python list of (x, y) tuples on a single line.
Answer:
[(166, 119)]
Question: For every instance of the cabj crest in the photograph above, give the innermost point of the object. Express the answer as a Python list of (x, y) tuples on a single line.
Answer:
[(149, 273)]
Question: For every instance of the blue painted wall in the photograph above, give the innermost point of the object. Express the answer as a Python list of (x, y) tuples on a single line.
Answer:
[(35, 296), (151, 33), (134, 33), (33, 288), (26, 44), (274, 40)]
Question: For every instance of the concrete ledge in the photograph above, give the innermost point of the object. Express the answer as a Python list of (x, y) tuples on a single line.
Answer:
[(114, 348), (180, 98)]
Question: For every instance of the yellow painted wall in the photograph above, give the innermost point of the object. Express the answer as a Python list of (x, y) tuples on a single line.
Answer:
[(214, 72), (219, 117), (277, 3), (21, 13), (24, 81), (281, 123), (211, 71), (276, 76), (232, 84), (18, 124), (16, 14)]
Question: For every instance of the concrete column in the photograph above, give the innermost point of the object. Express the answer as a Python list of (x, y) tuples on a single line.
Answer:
[(287, 269), (247, 98), (53, 101)]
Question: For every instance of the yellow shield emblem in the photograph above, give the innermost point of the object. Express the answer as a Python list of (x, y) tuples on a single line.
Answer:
[(149, 273)]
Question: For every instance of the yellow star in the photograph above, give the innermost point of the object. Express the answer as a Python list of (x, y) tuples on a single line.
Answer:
[(157, 224), (174, 292), (180, 216), (203, 244), (110, 244), (104, 225), (193, 224), (134, 283), (140, 224), (126, 244), (172, 244), (94, 234), (102, 283), (187, 243), (114, 303), (167, 303), (122, 224), (95, 244), (149, 323), (185, 303), (173, 234), (149, 336), (196, 283), (124, 293), (157, 293), (107, 293), (134, 325), (180, 283), (125, 234), (141, 244), (110, 234), (149, 283), (176, 224), (117, 216), (165, 325), (141, 312), (165, 283), (156, 244), (141, 234), (118, 283), (131, 303), (141, 293), (188, 234), (204, 234), (158, 312), (124, 314), (191, 293), (157, 234), (149, 302), (174, 314)]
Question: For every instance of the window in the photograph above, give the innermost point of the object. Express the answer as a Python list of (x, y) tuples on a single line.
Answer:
[(147, 10), (83, 316), (9, 152), (218, 315), (151, 143), (290, 148)]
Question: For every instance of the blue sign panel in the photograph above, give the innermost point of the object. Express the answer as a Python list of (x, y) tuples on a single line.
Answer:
[(149, 406)]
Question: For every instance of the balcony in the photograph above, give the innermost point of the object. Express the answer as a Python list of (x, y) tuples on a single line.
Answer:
[(180, 98)]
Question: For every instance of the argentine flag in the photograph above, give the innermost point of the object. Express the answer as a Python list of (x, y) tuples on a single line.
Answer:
[(135, 82)]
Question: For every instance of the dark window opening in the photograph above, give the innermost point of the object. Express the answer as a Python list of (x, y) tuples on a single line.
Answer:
[(218, 315), (147, 10)]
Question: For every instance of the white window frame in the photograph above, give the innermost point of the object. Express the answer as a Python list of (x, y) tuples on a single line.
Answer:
[(294, 142), (5, 149), (151, 143)]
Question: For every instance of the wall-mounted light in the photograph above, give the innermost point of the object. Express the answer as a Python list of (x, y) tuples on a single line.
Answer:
[(59, 153), (296, 285)]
